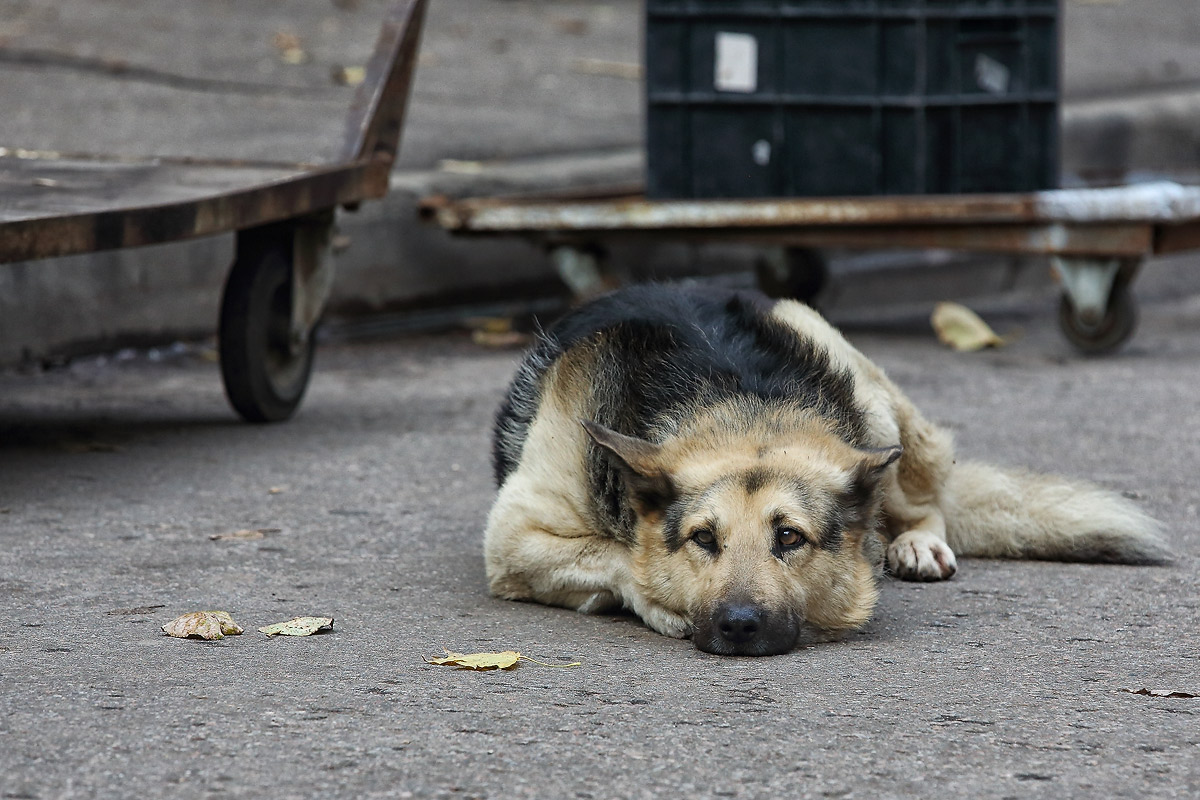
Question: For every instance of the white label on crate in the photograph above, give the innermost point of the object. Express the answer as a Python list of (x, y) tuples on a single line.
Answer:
[(761, 152), (737, 63), (991, 75)]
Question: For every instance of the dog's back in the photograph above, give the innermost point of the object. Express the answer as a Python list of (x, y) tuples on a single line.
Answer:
[(660, 350)]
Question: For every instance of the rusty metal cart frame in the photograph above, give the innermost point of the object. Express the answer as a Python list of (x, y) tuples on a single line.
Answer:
[(1096, 238), (283, 214)]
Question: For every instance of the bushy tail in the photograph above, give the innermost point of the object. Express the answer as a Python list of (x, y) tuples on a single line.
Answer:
[(1000, 513)]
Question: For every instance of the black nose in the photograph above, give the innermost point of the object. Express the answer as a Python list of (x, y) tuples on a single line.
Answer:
[(739, 623)]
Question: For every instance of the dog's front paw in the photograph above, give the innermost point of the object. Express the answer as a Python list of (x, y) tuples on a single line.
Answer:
[(920, 556), (668, 623)]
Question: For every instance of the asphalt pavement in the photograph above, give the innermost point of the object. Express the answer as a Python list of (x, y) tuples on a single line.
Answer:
[(1007, 681)]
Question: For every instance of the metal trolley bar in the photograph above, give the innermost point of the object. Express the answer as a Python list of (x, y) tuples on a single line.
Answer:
[(1097, 238)]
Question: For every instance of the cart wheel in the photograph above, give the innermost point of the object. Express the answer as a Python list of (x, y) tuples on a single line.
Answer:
[(1106, 334), (795, 272), (265, 376)]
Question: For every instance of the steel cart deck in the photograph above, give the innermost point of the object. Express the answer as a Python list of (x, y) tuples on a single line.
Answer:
[(53, 204), (1097, 238)]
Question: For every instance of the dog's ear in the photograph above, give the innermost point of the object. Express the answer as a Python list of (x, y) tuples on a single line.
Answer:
[(872, 465), (649, 484)]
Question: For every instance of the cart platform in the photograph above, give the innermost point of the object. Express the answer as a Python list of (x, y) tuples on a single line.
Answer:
[(1096, 238), (57, 204)]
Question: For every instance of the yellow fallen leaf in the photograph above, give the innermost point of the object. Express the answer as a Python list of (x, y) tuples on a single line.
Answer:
[(490, 324), (202, 624), (348, 76), (500, 340), (298, 626), (288, 45), (485, 661), (962, 329)]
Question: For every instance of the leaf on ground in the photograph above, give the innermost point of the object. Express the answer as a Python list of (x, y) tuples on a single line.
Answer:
[(202, 624), (962, 329), (500, 340), (487, 661), (298, 626), (348, 76), (1161, 693), (243, 536), (288, 45)]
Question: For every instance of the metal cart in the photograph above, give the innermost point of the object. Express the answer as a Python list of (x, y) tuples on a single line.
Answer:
[(55, 205), (1096, 238)]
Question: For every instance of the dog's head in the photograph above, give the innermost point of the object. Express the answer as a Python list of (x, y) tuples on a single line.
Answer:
[(754, 538)]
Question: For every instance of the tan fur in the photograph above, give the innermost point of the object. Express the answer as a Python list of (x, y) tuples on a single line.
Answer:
[(835, 590), (542, 543)]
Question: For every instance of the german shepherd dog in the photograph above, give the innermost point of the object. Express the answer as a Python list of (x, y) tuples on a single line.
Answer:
[(730, 468)]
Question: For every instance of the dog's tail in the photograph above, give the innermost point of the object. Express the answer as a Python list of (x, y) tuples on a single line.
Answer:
[(1000, 513)]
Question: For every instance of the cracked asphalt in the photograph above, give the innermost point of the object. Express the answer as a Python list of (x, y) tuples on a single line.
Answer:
[(1003, 682)]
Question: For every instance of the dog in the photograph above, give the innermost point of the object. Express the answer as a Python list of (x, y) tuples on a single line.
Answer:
[(730, 468)]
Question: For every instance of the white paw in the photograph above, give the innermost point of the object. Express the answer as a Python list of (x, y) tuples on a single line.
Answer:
[(920, 556), (668, 623)]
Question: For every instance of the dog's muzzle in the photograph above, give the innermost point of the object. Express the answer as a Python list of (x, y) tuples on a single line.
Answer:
[(742, 628)]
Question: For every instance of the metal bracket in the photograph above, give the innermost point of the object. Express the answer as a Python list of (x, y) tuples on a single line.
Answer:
[(579, 269), (1088, 283), (312, 273)]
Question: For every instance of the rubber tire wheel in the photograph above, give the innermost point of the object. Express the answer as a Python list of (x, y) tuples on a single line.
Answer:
[(264, 380), (1118, 324), (806, 274)]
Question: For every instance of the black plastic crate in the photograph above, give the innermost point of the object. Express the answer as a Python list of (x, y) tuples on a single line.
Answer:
[(850, 97)]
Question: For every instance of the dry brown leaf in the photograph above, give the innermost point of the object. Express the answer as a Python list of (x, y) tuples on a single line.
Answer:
[(962, 329), (488, 661), (203, 624), (500, 340), (288, 45), (571, 26), (348, 76), (1161, 693), (243, 536), (298, 626), (490, 324)]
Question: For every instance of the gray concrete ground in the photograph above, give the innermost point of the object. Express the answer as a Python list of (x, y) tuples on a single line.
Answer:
[(532, 92), (1003, 682)]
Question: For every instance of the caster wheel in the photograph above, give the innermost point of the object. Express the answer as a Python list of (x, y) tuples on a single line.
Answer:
[(800, 274), (265, 376), (1107, 333)]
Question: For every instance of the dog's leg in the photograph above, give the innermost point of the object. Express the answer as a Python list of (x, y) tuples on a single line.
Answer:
[(566, 565), (912, 497), (921, 553), (918, 551)]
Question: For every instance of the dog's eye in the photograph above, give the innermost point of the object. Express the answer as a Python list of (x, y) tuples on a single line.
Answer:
[(789, 538), (706, 539)]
